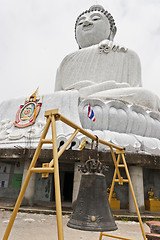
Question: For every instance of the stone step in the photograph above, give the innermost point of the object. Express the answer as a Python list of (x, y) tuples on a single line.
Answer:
[(153, 236), (154, 226)]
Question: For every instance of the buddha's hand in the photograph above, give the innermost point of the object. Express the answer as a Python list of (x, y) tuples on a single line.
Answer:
[(80, 84), (98, 87)]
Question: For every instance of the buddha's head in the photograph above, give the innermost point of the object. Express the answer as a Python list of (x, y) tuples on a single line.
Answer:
[(93, 26)]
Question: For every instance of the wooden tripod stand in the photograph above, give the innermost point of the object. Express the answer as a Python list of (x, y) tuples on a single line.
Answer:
[(120, 180), (53, 167)]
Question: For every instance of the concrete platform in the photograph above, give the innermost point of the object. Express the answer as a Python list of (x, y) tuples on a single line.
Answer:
[(41, 226)]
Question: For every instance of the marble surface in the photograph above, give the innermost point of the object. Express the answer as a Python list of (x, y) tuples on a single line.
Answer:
[(129, 126)]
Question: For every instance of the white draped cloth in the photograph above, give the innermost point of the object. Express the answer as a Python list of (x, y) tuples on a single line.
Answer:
[(106, 71)]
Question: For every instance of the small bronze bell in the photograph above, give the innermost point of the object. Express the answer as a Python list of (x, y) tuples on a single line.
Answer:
[(92, 210)]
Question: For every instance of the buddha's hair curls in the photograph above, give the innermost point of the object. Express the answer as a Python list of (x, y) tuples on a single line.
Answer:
[(102, 10)]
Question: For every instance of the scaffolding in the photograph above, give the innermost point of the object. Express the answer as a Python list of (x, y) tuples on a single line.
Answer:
[(53, 167)]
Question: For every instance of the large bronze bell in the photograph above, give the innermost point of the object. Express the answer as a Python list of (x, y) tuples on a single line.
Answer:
[(92, 210)]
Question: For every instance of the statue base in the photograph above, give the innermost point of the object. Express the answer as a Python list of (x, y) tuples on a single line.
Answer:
[(131, 126), (152, 205), (115, 204)]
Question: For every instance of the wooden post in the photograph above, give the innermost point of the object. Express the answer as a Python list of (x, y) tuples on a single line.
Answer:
[(25, 184), (134, 198), (57, 182), (120, 180)]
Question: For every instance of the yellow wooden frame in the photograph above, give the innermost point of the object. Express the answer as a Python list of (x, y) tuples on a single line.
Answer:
[(53, 167), (120, 180)]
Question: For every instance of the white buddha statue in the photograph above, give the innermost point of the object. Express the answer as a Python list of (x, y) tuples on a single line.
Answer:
[(100, 68)]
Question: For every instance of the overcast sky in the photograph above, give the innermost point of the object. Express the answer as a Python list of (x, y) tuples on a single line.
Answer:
[(37, 34)]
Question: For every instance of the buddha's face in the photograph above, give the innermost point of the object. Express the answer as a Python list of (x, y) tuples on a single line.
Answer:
[(92, 28)]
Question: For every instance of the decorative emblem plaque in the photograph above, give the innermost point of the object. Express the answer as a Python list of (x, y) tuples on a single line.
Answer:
[(27, 113)]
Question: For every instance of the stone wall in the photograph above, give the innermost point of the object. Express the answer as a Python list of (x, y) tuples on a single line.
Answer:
[(44, 190), (10, 179)]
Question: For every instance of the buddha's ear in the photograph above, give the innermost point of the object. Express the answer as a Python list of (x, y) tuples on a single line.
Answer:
[(112, 33), (114, 30)]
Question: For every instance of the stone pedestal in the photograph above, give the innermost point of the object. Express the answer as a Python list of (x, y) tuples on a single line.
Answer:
[(152, 205), (30, 191), (136, 174), (76, 183)]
